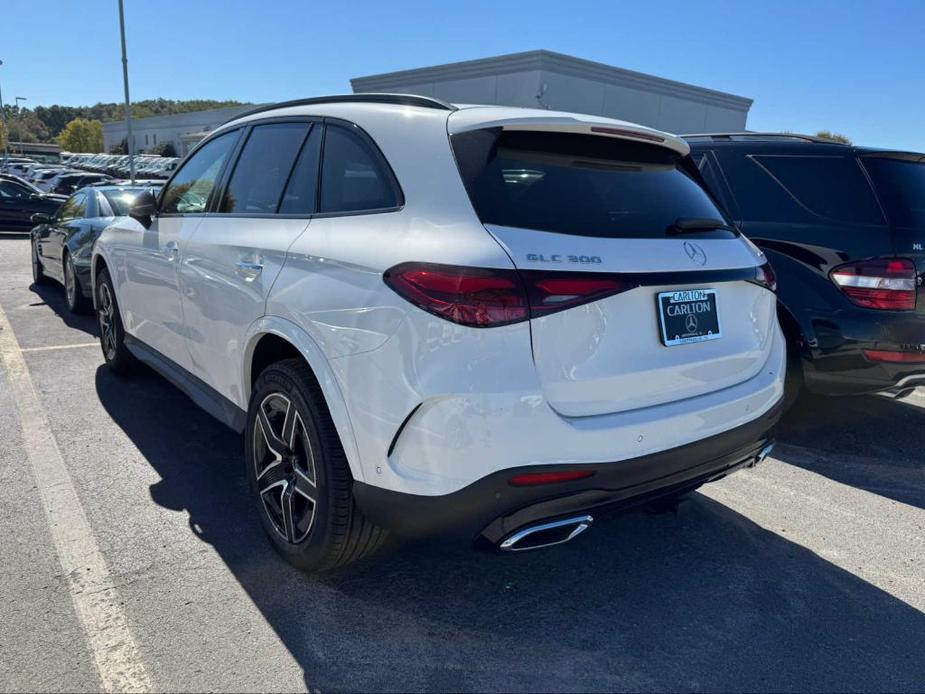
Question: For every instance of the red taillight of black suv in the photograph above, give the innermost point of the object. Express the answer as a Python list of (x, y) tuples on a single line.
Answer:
[(887, 284)]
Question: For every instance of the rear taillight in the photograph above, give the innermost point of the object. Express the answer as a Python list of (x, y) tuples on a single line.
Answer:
[(892, 357), (765, 277), (485, 298), (882, 283), (476, 297)]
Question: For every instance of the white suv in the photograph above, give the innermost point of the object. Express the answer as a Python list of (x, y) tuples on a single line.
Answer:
[(491, 321)]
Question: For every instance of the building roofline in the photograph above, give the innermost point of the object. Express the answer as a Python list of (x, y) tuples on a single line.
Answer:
[(552, 62)]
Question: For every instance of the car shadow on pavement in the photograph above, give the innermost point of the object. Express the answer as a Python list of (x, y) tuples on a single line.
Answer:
[(871, 442), (52, 295), (705, 600)]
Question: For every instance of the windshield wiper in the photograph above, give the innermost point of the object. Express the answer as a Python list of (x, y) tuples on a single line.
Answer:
[(688, 225)]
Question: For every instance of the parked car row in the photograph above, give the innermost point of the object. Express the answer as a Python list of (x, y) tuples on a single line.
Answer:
[(496, 322), (62, 241), (52, 178), (147, 166)]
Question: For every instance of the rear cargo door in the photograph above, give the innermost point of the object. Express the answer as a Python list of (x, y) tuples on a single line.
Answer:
[(574, 209)]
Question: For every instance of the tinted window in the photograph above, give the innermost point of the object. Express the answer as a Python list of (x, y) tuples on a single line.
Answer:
[(577, 184), (263, 168), (120, 201), (189, 191), (353, 175), (832, 187), (9, 189), (300, 193), (901, 185), (74, 208)]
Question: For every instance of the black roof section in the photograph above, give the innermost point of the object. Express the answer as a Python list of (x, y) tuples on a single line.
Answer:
[(744, 136), (394, 99)]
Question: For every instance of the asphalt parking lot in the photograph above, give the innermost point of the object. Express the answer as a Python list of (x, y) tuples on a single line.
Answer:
[(806, 573)]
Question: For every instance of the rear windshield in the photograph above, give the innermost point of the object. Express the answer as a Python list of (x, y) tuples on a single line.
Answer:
[(582, 185), (121, 200), (901, 186)]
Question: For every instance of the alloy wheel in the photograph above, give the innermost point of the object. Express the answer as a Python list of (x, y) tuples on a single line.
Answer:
[(106, 313), (285, 468)]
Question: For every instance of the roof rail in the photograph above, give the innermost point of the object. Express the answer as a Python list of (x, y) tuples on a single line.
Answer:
[(371, 98), (713, 137)]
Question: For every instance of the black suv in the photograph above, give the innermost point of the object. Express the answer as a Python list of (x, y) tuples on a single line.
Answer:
[(844, 228)]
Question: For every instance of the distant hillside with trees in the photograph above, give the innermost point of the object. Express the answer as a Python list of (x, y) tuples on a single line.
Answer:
[(46, 123)]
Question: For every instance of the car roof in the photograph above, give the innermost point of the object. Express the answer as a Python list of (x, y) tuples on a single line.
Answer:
[(790, 143), (462, 117)]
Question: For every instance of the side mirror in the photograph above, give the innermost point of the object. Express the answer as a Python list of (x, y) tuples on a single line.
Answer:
[(144, 208), (41, 218)]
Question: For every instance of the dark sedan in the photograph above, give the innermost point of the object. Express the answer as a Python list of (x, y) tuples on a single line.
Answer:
[(20, 200), (62, 243), (68, 182)]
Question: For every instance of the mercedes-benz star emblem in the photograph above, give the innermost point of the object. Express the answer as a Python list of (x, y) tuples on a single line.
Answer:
[(695, 253), (690, 322)]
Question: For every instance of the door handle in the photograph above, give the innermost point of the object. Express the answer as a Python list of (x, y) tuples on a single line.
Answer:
[(249, 271), (172, 250)]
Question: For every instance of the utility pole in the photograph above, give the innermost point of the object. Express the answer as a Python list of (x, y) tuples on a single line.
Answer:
[(4, 131), (128, 105)]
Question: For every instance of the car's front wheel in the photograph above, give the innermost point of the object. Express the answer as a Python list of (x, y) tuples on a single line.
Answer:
[(112, 334), (299, 474)]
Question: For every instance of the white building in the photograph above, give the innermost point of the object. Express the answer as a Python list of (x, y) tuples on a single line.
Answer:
[(543, 79), (183, 130), (535, 79)]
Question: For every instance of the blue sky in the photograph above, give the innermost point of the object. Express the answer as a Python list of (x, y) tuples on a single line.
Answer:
[(849, 66)]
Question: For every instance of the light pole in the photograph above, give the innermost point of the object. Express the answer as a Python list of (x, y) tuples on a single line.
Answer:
[(19, 119), (128, 107), (6, 139)]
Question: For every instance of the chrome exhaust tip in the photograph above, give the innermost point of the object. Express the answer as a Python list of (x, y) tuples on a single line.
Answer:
[(762, 454), (546, 534)]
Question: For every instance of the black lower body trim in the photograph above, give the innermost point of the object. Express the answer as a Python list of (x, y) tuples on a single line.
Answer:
[(195, 388), (493, 508)]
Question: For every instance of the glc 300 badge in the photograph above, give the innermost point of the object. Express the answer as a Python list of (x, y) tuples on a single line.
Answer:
[(559, 258)]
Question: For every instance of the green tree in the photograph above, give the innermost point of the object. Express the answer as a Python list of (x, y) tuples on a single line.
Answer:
[(834, 137), (165, 149), (82, 135)]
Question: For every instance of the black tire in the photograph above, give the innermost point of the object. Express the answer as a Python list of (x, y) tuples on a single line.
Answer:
[(76, 301), (323, 528), (38, 272), (112, 334), (793, 381)]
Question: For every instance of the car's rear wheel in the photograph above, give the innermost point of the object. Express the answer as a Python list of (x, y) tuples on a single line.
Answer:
[(38, 272), (76, 302), (299, 474), (112, 334)]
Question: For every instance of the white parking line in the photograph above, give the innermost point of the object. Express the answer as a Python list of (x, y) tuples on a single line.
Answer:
[(95, 597), (50, 348)]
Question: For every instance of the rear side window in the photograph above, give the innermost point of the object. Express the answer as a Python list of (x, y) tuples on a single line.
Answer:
[(303, 184), (262, 170), (901, 185), (354, 176), (582, 185), (74, 208), (120, 201), (831, 187)]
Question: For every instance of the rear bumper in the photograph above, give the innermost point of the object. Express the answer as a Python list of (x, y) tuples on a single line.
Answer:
[(835, 363), (493, 508)]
